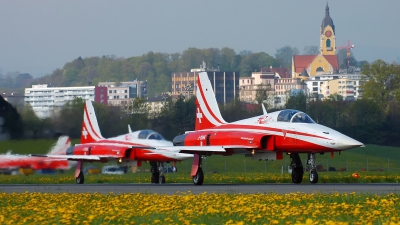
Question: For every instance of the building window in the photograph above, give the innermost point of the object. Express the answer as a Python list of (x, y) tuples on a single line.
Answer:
[(328, 43)]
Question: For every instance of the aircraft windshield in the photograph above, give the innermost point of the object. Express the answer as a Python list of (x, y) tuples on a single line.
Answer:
[(150, 134), (294, 116)]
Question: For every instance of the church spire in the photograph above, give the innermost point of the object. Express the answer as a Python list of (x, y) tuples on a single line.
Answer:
[(327, 20), (327, 10)]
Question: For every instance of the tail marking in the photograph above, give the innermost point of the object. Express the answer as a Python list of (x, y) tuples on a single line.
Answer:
[(90, 127), (208, 114)]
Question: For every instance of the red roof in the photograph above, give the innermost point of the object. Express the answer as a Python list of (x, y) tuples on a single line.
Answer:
[(333, 60), (303, 61), (283, 72)]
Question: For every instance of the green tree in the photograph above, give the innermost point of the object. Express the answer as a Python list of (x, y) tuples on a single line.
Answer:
[(263, 93), (254, 62), (311, 50), (68, 120), (228, 60), (285, 54), (32, 123), (11, 125), (383, 84), (364, 121), (297, 101)]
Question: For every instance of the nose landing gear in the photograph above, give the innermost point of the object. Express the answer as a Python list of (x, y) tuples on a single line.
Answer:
[(157, 173), (313, 172)]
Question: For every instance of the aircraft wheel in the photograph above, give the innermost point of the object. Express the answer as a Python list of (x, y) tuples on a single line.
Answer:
[(199, 177), (297, 175), (313, 176), (80, 179), (155, 178), (162, 179)]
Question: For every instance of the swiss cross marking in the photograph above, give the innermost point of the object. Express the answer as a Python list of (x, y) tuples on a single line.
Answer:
[(84, 133), (199, 115)]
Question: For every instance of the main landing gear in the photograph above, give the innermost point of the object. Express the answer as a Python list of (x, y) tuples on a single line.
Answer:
[(79, 173), (298, 171), (80, 179), (297, 168), (199, 177), (157, 173)]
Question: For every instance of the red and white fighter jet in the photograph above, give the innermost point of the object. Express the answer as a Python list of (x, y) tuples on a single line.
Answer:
[(264, 137), (127, 149), (13, 162)]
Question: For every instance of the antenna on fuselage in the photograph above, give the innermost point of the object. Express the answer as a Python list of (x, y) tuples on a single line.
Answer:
[(264, 110), (129, 128)]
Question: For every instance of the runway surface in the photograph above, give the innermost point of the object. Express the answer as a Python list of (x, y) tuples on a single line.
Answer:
[(170, 189)]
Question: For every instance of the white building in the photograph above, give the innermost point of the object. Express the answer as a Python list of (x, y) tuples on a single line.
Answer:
[(278, 88), (120, 93), (249, 86), (45, 100), (346, 85)]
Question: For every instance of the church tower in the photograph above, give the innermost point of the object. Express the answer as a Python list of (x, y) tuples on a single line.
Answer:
[(328, 40)]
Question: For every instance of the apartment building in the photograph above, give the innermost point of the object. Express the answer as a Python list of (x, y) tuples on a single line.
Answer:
[(346, 85), (225, 84), (47, 100), (120, 93)]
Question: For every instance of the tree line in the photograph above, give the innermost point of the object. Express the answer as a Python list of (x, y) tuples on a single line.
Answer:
[(157, 68), (371, 120)]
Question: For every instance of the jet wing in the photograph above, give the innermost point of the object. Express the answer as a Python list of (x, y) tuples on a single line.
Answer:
[(186, 148), (219, 148), (78, 157), (172, 155)]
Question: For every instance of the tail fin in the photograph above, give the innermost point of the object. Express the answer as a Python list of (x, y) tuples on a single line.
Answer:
[(90, 127), (61, 146), (207, 111)]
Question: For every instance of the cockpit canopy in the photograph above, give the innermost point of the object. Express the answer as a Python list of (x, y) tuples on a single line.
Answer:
[(150, 134), (294, 116)]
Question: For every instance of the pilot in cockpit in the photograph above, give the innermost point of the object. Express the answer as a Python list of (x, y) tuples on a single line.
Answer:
[(301, 118), (150, 134)]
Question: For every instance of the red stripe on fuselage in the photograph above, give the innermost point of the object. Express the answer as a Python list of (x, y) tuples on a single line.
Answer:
[(128, 143), (253, 127)]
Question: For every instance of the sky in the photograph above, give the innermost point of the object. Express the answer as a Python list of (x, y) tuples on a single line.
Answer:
[(40, 36)]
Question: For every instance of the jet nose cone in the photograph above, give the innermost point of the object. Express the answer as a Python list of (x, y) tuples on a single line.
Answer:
[(345, 143)]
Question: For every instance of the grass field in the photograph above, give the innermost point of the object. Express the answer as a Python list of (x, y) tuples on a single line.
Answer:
[(369, 158), (373, 163), (211, 208), (232, 169), (210, 178), (206, 208)]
